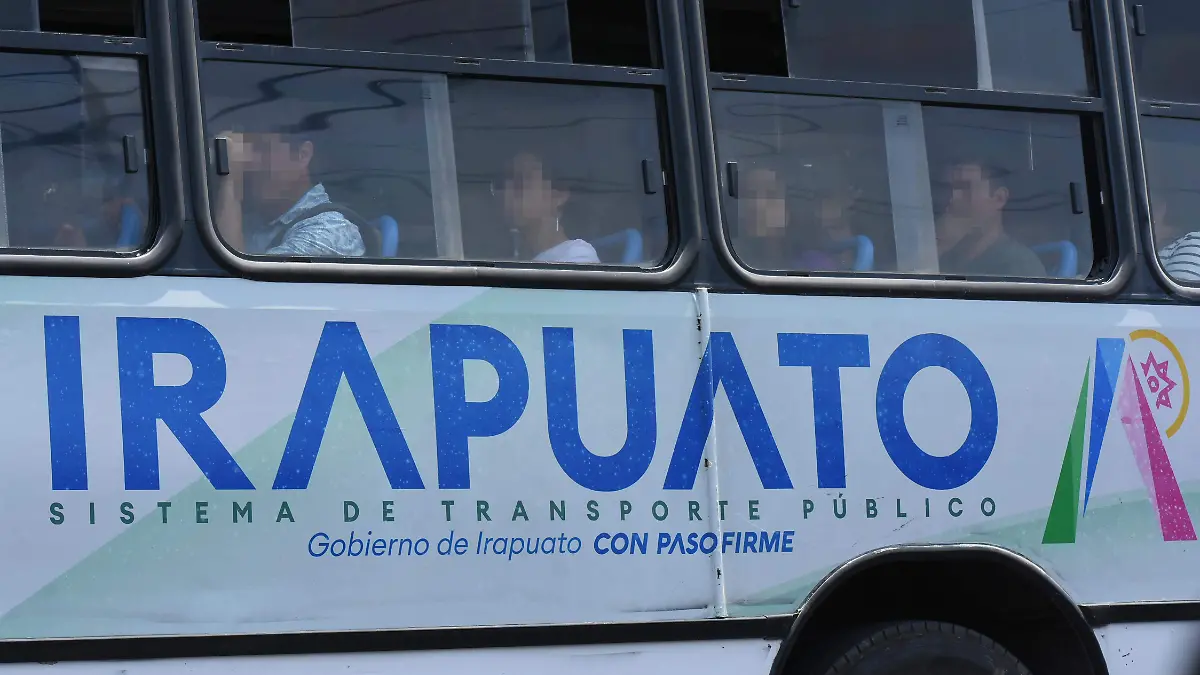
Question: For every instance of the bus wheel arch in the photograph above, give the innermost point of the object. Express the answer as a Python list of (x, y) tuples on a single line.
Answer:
[(989, 589)]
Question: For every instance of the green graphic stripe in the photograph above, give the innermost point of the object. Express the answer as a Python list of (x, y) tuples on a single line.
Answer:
[(1063, 522)]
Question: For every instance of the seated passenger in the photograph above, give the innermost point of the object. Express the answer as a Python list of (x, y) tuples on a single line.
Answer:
[(270, 204), (831, 229), (534, 207), (762, 239), (99, 232), (1180, 258), (970, 230), (767, 238)]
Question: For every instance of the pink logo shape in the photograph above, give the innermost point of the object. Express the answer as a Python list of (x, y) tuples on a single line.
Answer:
[(1150, 453), (1160, 381)]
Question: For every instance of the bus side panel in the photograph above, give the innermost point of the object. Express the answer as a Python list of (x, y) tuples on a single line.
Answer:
[(936, 421), (424, 493), (1163, 648)]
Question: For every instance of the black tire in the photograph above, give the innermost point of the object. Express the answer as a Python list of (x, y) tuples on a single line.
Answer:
[(925, 648)]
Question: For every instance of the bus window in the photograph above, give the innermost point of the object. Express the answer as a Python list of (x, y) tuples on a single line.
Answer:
[(1172, 150), (344, 139), (818, 184), (1003, 45), (1007, 184), (602, 32), (347, 163), (1165, 55), (559, 173), (71, 140)]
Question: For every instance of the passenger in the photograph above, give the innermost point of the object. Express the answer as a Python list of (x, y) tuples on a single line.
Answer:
[(264, 203), (534, 207), (970, 230), (832, 229), (1180, 258), (763, 221), (63, 217), (100, 232)]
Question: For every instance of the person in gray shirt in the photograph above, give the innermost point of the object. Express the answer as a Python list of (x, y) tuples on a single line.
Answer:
[(970, 230), (269, 203)]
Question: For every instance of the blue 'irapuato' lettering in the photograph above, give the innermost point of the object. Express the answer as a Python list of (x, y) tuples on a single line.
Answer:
[(340, 354)]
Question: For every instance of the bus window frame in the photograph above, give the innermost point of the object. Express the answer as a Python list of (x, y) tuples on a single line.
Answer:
[(1140, 182), (677, 143), (165, 216), (1116, 219), (1166, 110)]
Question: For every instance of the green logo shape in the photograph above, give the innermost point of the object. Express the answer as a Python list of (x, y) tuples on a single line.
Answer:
[(1063, 522)]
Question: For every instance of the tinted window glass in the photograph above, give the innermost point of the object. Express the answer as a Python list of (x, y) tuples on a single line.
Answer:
[(95, 17), (98, 17), (745, 36), (1166, 55), (65, 180), (845, 185), (500, 29), (418, 166), (604, 32), (266, 22), (1009, 45), (555, 172), (1173, 171)]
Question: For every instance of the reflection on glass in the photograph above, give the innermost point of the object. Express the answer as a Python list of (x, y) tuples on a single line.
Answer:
[(1006, 45), (327, 162), (602, 32), (497, 29), (839, 185), (65, 180), (1166, 55), (1172, 148)]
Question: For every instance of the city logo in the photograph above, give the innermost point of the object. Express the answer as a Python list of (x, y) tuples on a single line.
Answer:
[(1147, 379)]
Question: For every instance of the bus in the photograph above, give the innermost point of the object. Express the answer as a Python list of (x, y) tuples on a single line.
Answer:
[(778, 337)]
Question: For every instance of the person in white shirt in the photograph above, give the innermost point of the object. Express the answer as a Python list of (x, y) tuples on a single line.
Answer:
[(1180, 258), (534, 207)]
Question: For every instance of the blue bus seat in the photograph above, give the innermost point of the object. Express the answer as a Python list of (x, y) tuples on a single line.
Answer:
[(130, 235), (1068, 258), (389, 236), (628, 241), (864, 257)]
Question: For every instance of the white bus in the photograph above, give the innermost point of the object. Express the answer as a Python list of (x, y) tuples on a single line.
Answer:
[(777, 337)]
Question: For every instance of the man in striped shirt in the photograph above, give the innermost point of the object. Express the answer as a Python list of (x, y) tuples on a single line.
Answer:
[(1180, 258)]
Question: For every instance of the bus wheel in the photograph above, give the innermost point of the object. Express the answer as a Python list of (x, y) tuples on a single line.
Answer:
[(925, 648)]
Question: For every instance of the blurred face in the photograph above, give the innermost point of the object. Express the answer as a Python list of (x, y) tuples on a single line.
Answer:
[(833, 216), (274, 166), (972, 204), (530, 199), (762, 204), (971, 194)]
